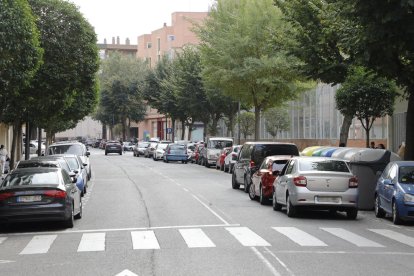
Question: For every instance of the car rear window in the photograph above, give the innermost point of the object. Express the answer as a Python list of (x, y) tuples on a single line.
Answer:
[(324, 165), (28, 178), (177, 147), (262, 151), (219, 144), (37, 164), (406, 175)]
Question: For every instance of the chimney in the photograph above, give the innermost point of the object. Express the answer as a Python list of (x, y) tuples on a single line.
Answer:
[(165, 24), (113, 40), (127, 41), (104, 40), (117, 40)]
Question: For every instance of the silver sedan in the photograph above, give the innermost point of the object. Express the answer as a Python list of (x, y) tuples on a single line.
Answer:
[(316, 182)]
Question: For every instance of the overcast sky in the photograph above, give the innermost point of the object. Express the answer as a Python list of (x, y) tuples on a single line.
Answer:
[(132, 18)]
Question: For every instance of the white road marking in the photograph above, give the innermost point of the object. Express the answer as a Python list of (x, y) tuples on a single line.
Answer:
[(6, 261), (265, 261), (395, 236), (186, 190), (144, 240), (247, 237), (126, 272), (2, 239), (39, 244), (280, 261), (300, 237), (196, 238), (351, 237), (92, 242), (211, 210)]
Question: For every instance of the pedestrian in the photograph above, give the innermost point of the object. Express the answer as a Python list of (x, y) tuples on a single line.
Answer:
[(3, 157), (373, 145), (381, 146)]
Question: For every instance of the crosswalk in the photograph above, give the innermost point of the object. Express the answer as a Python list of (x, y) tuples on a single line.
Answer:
[(200, 238)]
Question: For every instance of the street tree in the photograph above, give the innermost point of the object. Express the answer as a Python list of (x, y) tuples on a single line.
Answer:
[(318, 34), (382, 40), (246, 122), (276, 120), (64, 89), (243, 54), (366, 96), (20, 58)]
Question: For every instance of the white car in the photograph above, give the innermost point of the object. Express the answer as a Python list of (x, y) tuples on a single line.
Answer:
[(231, 158), (159, 151)]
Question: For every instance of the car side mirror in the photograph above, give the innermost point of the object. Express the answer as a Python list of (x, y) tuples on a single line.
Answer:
[(276, 173), (85, 164), (73, 176), (88, 153), (388, 182)]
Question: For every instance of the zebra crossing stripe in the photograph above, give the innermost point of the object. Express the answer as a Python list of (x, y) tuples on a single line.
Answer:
[(351, 237), (300, 237), (92, 242), (39, 245), (196, 238), (395, 236), (2, 239), (144, 240), (247, 237)]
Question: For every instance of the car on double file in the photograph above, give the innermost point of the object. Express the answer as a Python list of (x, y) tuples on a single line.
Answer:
[(139, 148), (176, 152), (212, 149), (113, 147), (159, 151)]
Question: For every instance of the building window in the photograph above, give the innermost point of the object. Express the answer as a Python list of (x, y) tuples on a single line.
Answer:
[(158, 44), (149, 45)]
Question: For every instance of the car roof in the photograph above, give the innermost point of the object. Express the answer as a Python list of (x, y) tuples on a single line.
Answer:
[(317, 158), (267, 143)]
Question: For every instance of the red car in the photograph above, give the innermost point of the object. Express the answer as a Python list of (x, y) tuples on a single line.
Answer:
[(220, 158), (196, 153), (262, 179)]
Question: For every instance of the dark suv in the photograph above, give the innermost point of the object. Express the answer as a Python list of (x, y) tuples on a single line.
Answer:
[(250, 157)]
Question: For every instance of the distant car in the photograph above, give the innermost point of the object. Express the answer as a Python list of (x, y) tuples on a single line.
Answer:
[(113, 147), (221, 157), (149, 151), (159, 151), (128, 146), (316, 183), (394, 193), (39, 194), (97, 143), (212, 149), (139, 148), (33, 146), (231, 158), (197, 154), (263, 178), (102, 144), (176, 152)]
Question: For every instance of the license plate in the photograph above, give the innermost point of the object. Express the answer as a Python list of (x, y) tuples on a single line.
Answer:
[(113, 147), (328, 199), (29, 198)]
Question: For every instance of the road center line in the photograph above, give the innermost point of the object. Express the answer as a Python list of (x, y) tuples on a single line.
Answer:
[(211, 210), (279, 261)]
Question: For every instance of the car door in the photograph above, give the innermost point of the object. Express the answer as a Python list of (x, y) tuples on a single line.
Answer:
[(282, 182), (389, 188), (380, 184), (72, 190), (243, 159), (257, 177)]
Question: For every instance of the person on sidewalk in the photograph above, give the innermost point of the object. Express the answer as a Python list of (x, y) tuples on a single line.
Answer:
[(3, 157)]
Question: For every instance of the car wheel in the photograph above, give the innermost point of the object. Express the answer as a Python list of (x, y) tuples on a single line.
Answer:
[(252, 194), (70, 221), (120, 153), (276, 206), (106, 153), (246, 185), (262, 199), (290, 209), (206, 164), (352, 213), (234, 183), (79, 215), (379, 212), (395, 216), (222, 167), (84, 190)]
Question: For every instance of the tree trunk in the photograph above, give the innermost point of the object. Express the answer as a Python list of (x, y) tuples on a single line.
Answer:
[(346, 124), (39, 142), (409, 134), (19, 145), (256, 123), (183, 129), (367, 132), (173, 129), (205, 130), (103, 136), (13, 152), (190, 128)]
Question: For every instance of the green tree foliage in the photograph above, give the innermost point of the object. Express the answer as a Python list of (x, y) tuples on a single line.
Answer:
[(367, 96), (122, 81), (246, 122), (243, 53), (276, 120), (64, 89), (383, 40)]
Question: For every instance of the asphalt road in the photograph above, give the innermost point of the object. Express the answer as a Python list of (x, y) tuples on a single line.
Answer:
[(143, 217)]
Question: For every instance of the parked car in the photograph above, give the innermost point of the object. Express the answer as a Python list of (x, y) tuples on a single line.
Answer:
[(39, 194), (394, 193), (220, 158), (97, 143), (76, 148), (197, 155), (231, 158), (159, 151), (139, 148), (263, 178), (33, 146), (76, 166), (113, 147), (213, 147), (55, 158), (128, 146), (251, 156), (316, 183), (102, 144), (176, 152), (149, 151)]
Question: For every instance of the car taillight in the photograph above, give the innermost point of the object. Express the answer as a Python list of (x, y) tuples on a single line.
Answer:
[(251, 164), (300, 181), (4, 196), (55, 194), (353, 182)]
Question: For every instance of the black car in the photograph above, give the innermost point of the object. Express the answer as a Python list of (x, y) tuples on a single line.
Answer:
[(251, 155), (39, 194), (113, 147)]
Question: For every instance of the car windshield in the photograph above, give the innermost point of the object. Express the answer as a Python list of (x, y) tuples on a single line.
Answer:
[(220, 144), (323, 165), (143, 145), (406, 175), (47, 164), (73, 163), (31, 178), (177, 147), (162, 146), (66, 149)]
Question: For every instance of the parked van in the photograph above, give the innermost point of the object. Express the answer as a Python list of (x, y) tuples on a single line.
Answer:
[(213, 147), (251, 156)]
